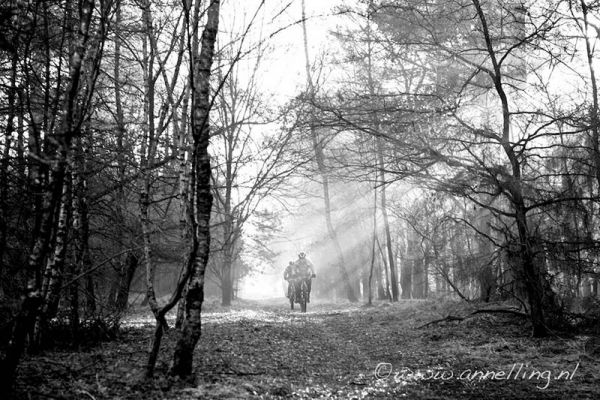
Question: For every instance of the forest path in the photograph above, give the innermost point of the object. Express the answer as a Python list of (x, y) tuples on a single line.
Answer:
[(353, 352), (263, 350)]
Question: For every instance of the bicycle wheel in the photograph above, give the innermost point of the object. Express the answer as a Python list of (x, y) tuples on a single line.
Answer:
[(303, 296)]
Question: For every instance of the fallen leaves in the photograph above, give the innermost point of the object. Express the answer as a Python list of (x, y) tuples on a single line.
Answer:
[(264, 351)]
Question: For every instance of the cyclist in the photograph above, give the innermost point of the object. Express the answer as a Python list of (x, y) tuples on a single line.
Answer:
[(290, 275), (305, 270)]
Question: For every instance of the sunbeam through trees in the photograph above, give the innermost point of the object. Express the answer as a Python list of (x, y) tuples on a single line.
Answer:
[(299, 199)]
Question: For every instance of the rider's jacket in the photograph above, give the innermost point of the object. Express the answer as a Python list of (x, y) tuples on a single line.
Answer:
[(289, 272), (304, 268), (300, 269)]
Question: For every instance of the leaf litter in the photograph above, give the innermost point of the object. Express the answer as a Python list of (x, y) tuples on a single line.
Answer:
[(262, 350)]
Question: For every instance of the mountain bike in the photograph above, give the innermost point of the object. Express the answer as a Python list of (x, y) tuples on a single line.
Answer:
[(299, 294)]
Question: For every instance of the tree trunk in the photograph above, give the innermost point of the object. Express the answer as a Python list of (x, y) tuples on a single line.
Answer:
[(370, 278), (410, 256), (90, 290), (201, 172), (226, 283), (181, 309), (373, 244), (386, 225), (53, 274), (388, 292), (406, 281), (419, 283), (531, 275), (318, 149), (380, 168), (538, 291), (185, 201), (594, 117), (227, 261), (33, 297), (57, 261), (131, 264), (148, 150), (80, 235), (4, 186), (381, 295), (485, 277), (121, 282)]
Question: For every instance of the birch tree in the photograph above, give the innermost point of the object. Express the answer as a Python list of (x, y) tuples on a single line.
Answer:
[(83, 62), (201, 60)]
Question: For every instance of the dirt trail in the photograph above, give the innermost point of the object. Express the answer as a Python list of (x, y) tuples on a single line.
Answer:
[(348, 351), (263, 350)]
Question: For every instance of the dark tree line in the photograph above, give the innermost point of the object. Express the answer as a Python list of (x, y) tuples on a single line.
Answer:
[(107, 116)]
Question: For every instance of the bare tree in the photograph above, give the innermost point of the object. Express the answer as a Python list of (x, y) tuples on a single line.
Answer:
[(200, 182), (74, 102), (317, 144)]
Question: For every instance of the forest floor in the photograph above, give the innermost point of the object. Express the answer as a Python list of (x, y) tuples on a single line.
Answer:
[(265, 351)]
